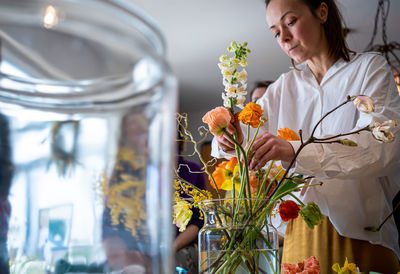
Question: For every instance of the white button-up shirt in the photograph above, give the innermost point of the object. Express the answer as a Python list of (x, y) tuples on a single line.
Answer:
[(359, 183)]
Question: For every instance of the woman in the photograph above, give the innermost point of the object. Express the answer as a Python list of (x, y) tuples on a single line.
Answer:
[(359, 183)]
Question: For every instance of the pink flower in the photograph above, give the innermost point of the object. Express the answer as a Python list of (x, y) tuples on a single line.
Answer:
[(309, 266), (217, 119), (364, 104)]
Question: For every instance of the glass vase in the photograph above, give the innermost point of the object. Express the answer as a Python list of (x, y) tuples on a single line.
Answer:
[(233, 242), (87, 105)]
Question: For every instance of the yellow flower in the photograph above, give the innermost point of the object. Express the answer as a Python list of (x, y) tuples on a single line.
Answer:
[(251, 115), (346, 269), (182, 214), (288, 134), (227, 184), (224, 172)]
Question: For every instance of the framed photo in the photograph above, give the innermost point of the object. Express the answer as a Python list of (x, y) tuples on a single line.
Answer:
[(55, 226)]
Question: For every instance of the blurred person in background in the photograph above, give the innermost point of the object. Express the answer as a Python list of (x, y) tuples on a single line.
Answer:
[(259, 89)]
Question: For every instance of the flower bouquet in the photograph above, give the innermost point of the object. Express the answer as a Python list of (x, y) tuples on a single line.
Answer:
[(237, 236)]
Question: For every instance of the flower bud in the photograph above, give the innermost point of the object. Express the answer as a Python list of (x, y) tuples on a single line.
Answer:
[(348, 142), (298, 180), (311, 214), (364, 104)]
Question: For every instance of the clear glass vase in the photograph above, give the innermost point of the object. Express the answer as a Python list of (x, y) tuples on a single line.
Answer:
[(87, 104), (233, 242)]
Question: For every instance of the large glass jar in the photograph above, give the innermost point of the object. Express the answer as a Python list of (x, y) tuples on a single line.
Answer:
[(87, 125), (238, 237)]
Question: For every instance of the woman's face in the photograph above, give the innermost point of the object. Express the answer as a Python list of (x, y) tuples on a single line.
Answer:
[(299, 33)]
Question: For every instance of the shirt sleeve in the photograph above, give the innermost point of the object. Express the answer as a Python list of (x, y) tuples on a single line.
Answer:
[(370, 157)]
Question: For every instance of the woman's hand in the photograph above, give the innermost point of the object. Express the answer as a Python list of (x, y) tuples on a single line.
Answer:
[(268, 147), (225, 142)]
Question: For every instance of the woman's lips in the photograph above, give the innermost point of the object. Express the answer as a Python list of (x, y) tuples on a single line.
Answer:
[(291, 49)]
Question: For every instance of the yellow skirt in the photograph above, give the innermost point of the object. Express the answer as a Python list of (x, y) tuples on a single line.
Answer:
[(329, 248)]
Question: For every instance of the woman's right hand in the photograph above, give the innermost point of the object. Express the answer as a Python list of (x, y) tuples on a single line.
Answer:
[(226, 143)]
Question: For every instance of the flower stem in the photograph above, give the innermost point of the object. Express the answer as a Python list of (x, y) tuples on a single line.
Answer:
[(329, 112)]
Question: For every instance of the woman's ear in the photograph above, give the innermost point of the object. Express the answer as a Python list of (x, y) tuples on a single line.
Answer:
[(323, 12)]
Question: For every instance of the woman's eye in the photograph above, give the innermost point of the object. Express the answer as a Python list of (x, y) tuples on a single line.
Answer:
[(291, 23), (277, 35)]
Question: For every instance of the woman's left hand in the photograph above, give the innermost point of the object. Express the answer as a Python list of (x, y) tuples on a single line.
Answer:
[(268, 147)]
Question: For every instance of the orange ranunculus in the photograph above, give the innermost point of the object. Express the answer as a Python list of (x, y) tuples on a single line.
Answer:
[(288, 134), (223, 172), (251, 114), (217, 119)]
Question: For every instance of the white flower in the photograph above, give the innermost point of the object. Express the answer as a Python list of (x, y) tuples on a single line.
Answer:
[(223, 58), (231, 88), (240, 101), (243, 62), (364, 104), (226, 81), (223, 66), (242, 90), (235, 61), (227, 73), (382, 132), (241, 76)]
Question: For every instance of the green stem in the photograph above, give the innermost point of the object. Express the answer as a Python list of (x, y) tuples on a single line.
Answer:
[(297, 199)]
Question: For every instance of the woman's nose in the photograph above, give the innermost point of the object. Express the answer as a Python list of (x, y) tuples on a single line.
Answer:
[(285, 36)]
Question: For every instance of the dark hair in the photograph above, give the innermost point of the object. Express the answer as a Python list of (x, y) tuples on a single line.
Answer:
[(334, 28), (260, 84)]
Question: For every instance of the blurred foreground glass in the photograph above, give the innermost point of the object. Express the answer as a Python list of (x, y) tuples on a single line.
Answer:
[(87, 107)]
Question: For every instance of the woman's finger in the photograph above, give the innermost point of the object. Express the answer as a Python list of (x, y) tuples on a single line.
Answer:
[(225, 143)]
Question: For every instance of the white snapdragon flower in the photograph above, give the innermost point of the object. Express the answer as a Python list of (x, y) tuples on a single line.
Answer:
[(242, 90), (228, 72), (241, 76), (382, 132), (234, 81), (224, 66), (231, 88), (240, 101), (243, 62), (224, 58), (227, 80), (234, 61)]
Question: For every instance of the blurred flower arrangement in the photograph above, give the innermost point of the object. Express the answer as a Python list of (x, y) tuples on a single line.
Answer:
[(253, 195)]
